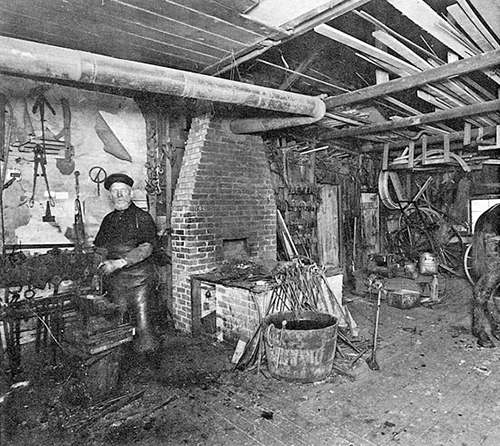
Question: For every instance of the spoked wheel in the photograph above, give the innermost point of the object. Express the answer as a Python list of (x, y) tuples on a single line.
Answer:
[(423, 230), (450, 250)]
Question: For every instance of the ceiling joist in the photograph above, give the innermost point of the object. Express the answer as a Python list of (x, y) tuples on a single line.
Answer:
[(412, 121)]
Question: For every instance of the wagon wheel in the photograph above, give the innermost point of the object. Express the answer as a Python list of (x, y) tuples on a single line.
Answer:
[(473, 264), (469, 260), (424, 230)]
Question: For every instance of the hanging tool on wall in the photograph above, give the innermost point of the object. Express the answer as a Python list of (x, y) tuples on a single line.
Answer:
[(40, 160), (39, 150), (78, 225), (48, 217), (97, 174), (66, 165), (156, 169), (39, 106), (112, 144)]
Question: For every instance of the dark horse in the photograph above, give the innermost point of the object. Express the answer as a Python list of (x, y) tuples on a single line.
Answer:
[(486, 267)]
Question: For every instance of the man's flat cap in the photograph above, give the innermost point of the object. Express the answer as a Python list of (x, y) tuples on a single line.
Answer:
[(118, 178)]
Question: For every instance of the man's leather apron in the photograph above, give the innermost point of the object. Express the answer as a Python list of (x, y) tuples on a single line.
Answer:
[(131, 288)]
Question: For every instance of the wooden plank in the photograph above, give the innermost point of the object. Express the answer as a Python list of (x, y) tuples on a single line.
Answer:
[(180, 21), (424, 16), (438, 103), (464, 21), (326, 16), (458, 68), (471, 14), (363, 47), (410, 111), (324, 13), (222, 12), (305, 76), (442, 115), (454, 87), (478, 92), (440, 97), (401, 49), (240, 5), (193, 32), (97, 37), (379, 25), (138, 54), (489, 10), (292, 78)]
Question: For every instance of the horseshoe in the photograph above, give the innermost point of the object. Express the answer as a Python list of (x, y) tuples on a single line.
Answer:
[(98, 175)]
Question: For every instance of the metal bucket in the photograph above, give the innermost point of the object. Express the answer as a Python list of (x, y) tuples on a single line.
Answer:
[(300, 347), (428, 264)]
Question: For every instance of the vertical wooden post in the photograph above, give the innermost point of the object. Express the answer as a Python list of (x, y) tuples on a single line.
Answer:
[(411, 154), (424, 150), (467, 133), (385, 160), (4, 147), (446, 143)]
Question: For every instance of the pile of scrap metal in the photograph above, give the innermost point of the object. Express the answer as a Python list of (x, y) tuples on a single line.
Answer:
[(31, 311), (21, 269)]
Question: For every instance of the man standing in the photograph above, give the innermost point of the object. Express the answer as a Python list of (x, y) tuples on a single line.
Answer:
[(127, 237)]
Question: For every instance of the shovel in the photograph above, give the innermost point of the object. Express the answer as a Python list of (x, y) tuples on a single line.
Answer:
[(372, 360)]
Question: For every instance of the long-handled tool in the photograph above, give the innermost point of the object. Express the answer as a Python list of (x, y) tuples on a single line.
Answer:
[(78, 226), (372, 360)]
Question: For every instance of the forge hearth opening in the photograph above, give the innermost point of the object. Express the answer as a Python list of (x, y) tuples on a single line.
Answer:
[(234, 249)]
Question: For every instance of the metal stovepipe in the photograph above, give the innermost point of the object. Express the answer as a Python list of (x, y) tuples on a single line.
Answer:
[(24, 58)]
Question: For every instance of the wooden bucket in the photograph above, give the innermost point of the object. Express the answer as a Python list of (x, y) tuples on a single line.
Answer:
[(101, 374), (300, 347)]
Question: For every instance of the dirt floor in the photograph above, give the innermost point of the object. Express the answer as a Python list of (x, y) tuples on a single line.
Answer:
[(435, 386)]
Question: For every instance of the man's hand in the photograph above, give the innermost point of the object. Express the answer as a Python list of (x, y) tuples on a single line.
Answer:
[(109, 266)]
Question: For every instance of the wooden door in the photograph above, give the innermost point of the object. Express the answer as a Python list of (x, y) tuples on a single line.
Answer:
[(328, 226)]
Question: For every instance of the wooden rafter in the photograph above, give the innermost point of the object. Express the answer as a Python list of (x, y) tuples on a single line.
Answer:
[(429, 118), (458, 68)]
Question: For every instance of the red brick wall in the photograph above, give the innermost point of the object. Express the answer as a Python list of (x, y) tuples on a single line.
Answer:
[(224, 191), (238, 311)]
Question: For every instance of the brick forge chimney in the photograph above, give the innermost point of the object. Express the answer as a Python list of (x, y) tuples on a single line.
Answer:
[(224, 197)]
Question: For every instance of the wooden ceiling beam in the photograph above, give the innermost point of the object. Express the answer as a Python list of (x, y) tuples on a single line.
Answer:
[(461, 67), (456, 139), (429, 118)]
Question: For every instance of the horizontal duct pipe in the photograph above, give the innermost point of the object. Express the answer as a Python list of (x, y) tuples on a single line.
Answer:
[(253, 125), (24, 58)]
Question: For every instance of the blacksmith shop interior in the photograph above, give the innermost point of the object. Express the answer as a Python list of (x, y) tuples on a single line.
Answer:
[(250, 222)]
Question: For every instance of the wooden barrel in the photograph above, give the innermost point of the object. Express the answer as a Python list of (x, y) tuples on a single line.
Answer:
[(300, 347)]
